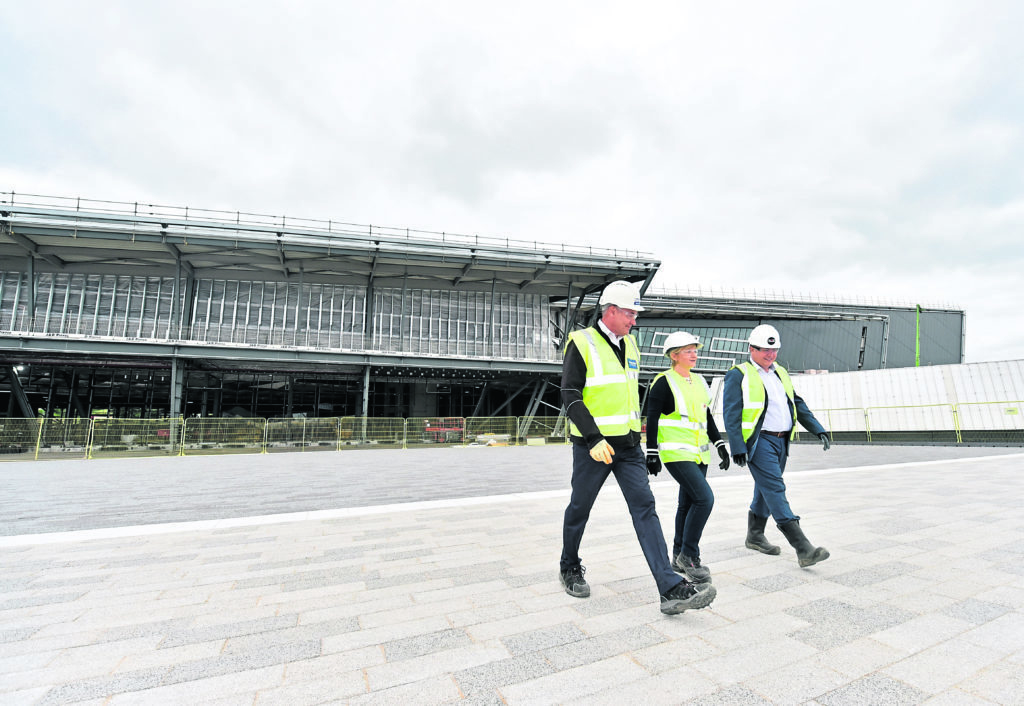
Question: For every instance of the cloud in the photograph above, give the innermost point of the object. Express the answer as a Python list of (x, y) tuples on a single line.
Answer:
[(869, 148)]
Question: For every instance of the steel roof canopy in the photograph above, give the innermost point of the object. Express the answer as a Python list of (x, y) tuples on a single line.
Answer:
[(102, 237)]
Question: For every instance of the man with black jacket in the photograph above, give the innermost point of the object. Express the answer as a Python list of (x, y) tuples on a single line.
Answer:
[(600, 392)]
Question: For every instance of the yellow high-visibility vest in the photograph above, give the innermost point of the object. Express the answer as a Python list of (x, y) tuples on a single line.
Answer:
[(612, 391), (754, 396), (683, 435)]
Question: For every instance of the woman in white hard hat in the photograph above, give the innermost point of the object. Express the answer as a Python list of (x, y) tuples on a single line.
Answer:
[(680, 429)]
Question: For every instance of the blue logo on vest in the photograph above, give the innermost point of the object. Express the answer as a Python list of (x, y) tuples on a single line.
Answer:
[(632, 364)]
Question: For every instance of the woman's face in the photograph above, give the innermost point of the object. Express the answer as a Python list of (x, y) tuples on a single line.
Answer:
[(685, 356)]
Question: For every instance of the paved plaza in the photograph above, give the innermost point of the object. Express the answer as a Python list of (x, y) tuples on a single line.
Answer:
[(430, 577)]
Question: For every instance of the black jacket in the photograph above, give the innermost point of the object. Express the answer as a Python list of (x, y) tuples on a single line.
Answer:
[(574, 377)]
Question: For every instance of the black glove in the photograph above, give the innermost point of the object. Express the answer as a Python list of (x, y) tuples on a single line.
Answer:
[(723, 453), (739, 459), (653, 462), (825, 443)]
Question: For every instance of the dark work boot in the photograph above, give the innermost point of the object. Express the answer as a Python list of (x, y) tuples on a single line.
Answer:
[(755, 535), (807, 553), (691, 568), (575, 584), (685, 595)]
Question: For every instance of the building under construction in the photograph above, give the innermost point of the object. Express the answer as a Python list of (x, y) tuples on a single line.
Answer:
[(136, 310)]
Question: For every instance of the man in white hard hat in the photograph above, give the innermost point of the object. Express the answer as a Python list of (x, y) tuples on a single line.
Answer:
[(761, 407), (600, 392)]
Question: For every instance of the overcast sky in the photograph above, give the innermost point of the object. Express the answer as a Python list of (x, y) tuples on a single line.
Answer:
[(871, 149)]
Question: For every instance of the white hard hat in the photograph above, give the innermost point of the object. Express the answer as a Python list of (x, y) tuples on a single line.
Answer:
[(765, 336), (625, 295), (680, 339)]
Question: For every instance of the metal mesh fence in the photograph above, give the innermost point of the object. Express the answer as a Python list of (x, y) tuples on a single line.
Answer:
[(19, 438), (844, 424), (210, 436), (51, 438), (923, 423), (63, 438), (991, 422), (547, 430), (425, 431), (372, 432), (492, 431), (135, 437), (320, 434)]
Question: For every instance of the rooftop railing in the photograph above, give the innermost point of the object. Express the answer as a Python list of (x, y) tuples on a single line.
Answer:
[(773, 295), (10, 200)]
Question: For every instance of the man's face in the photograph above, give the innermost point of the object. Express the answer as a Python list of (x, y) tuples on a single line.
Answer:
[(618, 320), (763, 357)]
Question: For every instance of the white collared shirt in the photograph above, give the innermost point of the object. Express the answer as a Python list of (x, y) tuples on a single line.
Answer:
[(777, 417), (616, 340)]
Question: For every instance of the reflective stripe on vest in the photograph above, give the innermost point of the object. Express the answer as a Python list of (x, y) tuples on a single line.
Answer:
[(611, 392), (754, 396), (682, 435)]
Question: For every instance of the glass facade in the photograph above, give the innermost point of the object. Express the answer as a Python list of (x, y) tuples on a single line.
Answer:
[(431, 322), (724, 346)]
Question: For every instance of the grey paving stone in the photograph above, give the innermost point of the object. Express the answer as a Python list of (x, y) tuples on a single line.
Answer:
[(17, 634), (377, 533), (33, 601), (101, 687), (484, 571), (727, 551), (897, 525), (479, 682), (478, 573), (609, 604), (1004, 552), (302, 633), (736, 694), (543, 638), (533, 579), (134, 630), (975, 611), (242, 661), (144, 560), (84, 581), (354, 552), (1016, 568), (482, 699), (230, 530), (596, 648), (835, 622), (929, 544), (418, 645), (629, 585), (11, 584), (872, 546), (378, 582), (874, 574), (226, 630), (230, 557), (305, 579), (874, 689), (777, 582)]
